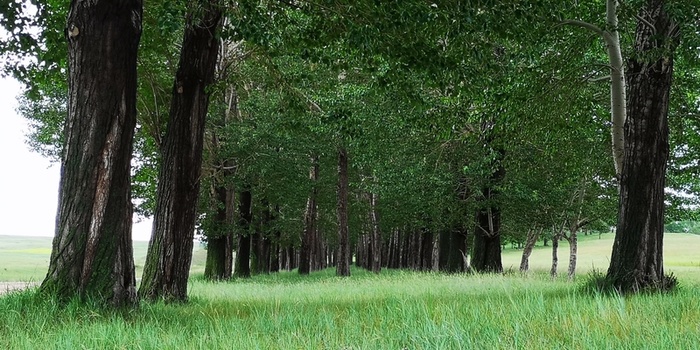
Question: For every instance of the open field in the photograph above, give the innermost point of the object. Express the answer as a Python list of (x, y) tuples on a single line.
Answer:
[(393, 310), (27, 258)]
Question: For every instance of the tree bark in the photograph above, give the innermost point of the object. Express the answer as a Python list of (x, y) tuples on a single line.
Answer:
[(637, 257), (573, 253), (343, 261), (166, 271), (92, 255), (242, 269)]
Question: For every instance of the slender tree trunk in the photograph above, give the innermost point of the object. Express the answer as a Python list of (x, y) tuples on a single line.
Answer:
[(242, 269), (167, 267), (376, 237), (426, 250), (555, 256), (530, 242), (343, 263), (573, 251), (308, 238), (92, 255), (637, 257)]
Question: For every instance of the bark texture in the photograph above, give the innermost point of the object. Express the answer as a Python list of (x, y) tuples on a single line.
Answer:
[(92, 255), (637, 257), (343, 257), (167, 266)]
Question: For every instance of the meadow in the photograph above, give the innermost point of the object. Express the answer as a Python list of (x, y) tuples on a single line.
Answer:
[(392, 310)]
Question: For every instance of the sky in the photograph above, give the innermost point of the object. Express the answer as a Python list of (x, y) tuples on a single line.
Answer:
[(29, 182)]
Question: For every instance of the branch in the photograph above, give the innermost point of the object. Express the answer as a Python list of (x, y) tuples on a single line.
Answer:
[(592, 27), (645, 21)]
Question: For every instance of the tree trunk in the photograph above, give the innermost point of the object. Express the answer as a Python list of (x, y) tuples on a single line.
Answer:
[(426, 250), (219, 265), (487, 236), (167, 267), (375, 237), (242, 269), (573, 250), (555, 256), (343, 262), (530, 242), (92, 255), (308, 238), (637, 257)]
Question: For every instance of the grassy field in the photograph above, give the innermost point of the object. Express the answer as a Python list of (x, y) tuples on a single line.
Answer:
[(393, 310), (27, 258)]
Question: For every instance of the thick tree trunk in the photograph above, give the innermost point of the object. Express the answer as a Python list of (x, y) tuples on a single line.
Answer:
[(167, 267), (343, 261), (92, 255), (637, 257), (487, 243), (308, 238), (532, 237), (242, 269)]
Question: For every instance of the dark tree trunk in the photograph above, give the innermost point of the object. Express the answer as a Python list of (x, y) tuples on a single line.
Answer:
[(637, 256), (487, 236), (94, 210), (308, 239), (426, 250), (167, 267), (244, 237), (92, 255), (343, 261), (219, 265), (457, 251)]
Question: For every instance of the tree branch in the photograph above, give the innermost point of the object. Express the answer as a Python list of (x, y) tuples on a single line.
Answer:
[(592, 27)]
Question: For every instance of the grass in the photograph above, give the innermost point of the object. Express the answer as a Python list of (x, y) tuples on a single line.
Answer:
[(393, 310)]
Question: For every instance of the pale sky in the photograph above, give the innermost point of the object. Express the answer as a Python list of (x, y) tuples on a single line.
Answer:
[(29, 182)]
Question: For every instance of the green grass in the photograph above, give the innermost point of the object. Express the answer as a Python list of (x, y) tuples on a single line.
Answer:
[(393, 310)]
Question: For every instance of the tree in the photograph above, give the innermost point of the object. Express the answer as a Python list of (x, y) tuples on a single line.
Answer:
[(637, 257), (166, 271), (92, 255)]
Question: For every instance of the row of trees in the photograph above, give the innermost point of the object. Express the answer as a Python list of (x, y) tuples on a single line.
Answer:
[(403, 134)]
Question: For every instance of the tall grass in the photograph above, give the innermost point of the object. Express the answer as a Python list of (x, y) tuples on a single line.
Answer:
[(394, 310)]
